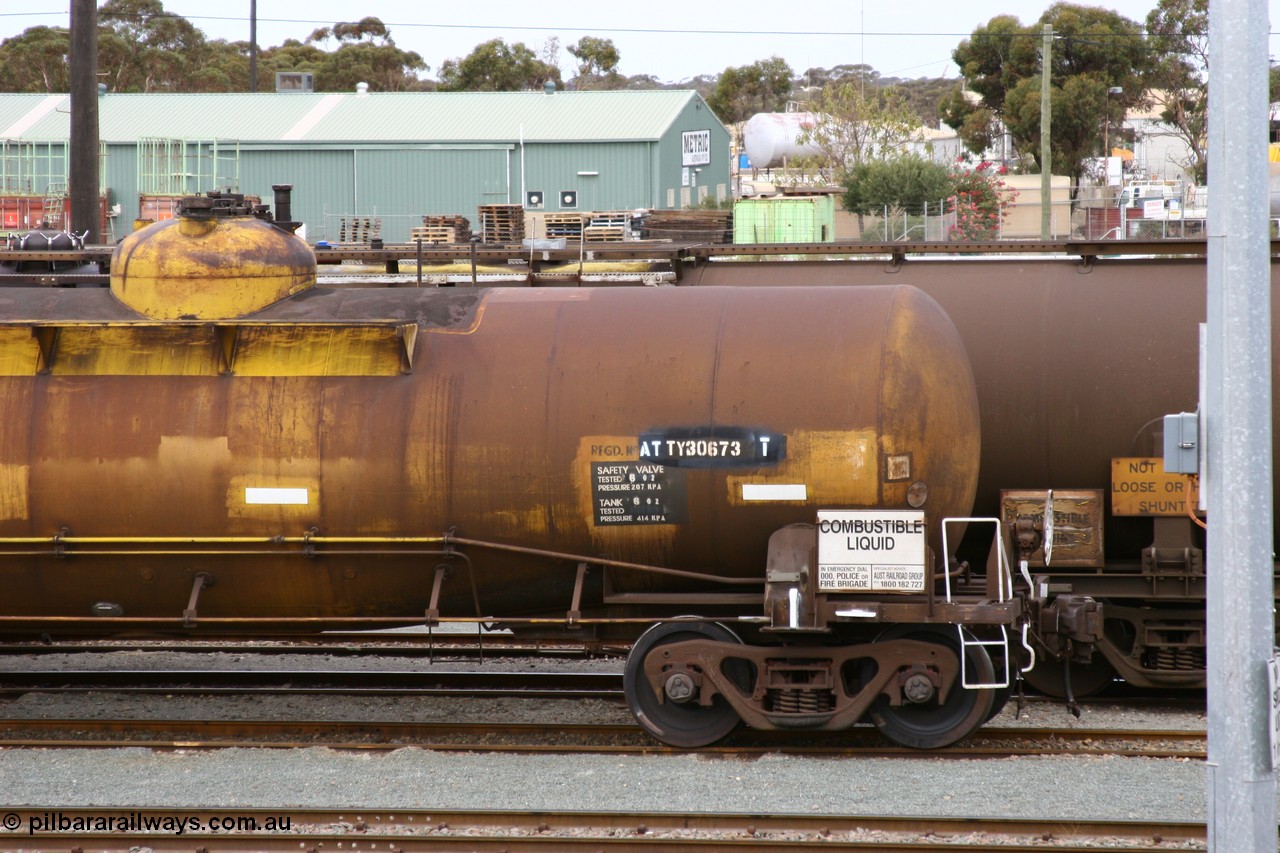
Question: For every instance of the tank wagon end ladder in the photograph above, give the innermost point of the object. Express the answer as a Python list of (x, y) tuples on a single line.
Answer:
[(1004, 592)]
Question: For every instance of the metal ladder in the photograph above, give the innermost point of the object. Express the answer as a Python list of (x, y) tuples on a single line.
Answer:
[(55, 196), (1004, 583)]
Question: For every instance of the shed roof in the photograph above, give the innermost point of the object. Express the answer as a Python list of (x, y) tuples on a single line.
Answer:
[(458, 117)]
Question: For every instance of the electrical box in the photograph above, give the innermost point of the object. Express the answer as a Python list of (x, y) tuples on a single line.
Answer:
[(1182, 443)]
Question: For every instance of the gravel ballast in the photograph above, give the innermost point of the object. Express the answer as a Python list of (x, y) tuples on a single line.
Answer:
[(1084, 787)]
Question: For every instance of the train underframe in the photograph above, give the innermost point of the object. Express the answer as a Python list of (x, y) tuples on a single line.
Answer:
[(1147, 624), (927, 668)]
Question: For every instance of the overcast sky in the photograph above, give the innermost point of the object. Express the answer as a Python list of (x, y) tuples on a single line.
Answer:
[(672, 41)]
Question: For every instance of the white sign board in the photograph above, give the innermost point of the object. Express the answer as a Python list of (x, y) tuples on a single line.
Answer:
[(871, 550), (695, 148)]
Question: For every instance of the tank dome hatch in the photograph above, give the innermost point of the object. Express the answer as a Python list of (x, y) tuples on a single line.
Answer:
[(221, 258)]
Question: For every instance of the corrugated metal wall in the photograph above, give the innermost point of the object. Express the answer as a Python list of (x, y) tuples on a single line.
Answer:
[(401, 183), (397, 184), (604, 176), (323, 179), (680, 186), (120, 176)]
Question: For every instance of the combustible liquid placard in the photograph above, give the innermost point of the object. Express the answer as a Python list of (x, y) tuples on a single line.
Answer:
[(871, 550)]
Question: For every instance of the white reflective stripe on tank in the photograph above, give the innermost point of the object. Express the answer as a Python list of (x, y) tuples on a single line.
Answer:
[(774, 492), (264, 495)]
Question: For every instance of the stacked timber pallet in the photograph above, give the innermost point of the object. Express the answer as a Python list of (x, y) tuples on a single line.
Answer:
[(454, 228), (689, 226), (566, 225), (501, 223), (608, 227), (359, 229)]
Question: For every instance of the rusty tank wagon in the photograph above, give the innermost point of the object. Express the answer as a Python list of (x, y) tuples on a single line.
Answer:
[(761, 483)]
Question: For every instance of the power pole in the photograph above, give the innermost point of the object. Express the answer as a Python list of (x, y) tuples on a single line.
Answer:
[(1239, 565), (83, 166), (253, 45), (1046, 123)]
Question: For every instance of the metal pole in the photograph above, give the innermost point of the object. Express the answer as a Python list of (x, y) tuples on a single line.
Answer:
[(253, 45), (83, 166), (1241, 780), (1046, 124)]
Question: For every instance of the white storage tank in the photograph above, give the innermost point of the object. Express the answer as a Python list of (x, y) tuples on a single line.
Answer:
[(770, 138)]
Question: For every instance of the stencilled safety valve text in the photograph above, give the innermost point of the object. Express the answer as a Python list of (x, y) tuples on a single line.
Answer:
[(637, 493)]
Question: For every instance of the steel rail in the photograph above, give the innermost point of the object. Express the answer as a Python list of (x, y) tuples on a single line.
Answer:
[(575, 685), (571, 738), (340, 644)]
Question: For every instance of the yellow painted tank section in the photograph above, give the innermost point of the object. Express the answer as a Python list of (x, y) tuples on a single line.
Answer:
[(209, 269)]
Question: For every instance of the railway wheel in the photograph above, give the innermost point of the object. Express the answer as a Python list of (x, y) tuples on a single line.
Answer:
[(928, 724), (1086, 679), (679, 723)]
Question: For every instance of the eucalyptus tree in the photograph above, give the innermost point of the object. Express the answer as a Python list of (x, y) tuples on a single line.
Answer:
[(495, 66), (1099, 62), (597, 62)]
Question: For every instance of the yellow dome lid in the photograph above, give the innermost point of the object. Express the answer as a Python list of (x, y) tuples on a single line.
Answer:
[(215, 261)]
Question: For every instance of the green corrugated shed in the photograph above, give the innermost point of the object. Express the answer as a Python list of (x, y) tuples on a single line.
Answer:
[(399, 156), (785, 219)]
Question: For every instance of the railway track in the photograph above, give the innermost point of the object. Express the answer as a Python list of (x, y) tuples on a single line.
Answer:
[(491, 683), (863, 742), (414, 682), (434, 830), (339, 644)]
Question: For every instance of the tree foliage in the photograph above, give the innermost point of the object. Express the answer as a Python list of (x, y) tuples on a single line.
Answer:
[(851, 127), (981, 200), (921, 95), (366, 54), (914, 185), (761, 87), (597, 63), (1093, 51), (904, 183), (739, 93), (495, 66), (142, 48), (36, 61), (1179, 34)]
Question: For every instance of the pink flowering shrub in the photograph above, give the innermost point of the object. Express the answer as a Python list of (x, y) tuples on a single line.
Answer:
[(982, 201)]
